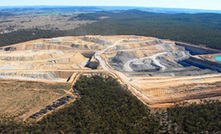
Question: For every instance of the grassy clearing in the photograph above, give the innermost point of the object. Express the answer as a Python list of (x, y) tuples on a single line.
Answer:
[(21, 97)]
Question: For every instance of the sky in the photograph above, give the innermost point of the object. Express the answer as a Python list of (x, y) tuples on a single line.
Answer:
[(192, 4)]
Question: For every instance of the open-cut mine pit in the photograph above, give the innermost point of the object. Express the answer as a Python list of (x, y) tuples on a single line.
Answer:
[(158, 72)]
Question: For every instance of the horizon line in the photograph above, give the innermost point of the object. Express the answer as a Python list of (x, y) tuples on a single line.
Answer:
[(111, 6)]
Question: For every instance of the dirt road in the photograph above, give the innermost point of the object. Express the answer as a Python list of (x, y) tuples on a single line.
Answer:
[(127, 67), (123, 78)]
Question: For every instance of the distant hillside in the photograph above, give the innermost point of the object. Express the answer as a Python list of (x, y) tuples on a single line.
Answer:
[(201, 28), (91, 16), (26, 35), (84, 17), (49, 9), (18, 9), (6, 14), (204, 28)]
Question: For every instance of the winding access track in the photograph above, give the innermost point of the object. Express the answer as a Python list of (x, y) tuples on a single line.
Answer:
[(127, 67), (121, 77)]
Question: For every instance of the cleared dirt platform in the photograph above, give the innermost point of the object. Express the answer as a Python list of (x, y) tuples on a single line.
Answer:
[(19, 98)]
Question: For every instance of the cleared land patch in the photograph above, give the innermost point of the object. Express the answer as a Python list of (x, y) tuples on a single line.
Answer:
[(51, 22), (19, 98)]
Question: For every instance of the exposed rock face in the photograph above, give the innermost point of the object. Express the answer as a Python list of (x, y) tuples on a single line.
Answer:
[(151, 68), (165, 59)]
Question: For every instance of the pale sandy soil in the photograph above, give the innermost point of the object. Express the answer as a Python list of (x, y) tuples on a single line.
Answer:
[(58, 58)]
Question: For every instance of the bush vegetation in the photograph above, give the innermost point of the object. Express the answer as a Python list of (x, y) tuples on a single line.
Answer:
[(197, 118), (106, 107), (204, 28), (5, 14)]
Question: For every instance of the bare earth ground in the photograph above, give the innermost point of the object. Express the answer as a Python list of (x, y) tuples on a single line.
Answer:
[(164, 93), (18, 98)]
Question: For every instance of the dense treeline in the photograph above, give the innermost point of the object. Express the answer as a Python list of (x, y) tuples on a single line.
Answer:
[(197, 118), (4, 14), (192, 28), (105, 107), (26, 35), (84, 16), (92, 16)]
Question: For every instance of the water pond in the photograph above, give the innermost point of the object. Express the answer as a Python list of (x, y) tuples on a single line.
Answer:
[(217, 58)]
